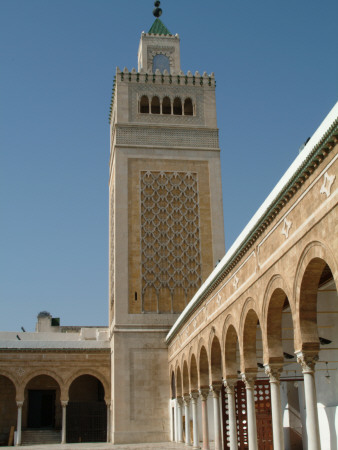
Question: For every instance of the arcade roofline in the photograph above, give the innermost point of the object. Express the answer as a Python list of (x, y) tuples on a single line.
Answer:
[(314, 152)]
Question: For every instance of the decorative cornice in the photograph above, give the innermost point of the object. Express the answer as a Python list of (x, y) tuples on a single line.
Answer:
[(55, 350)]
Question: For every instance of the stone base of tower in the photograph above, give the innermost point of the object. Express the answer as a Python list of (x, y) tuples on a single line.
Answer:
[(140, 386)]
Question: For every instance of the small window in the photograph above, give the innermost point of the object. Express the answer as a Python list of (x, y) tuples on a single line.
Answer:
[(188, 108), (155, 105), (144, 104), (166, 106), (161, 62), (177, 107)]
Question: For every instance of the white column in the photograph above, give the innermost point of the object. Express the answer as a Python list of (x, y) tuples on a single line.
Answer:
[(187, 419), (250, 411), (229, 385), (108, 422), (216, 389), (204, 397), (276, 406), (19, 423), (64, 412), (179, 420), (308, 361), (194, 398)]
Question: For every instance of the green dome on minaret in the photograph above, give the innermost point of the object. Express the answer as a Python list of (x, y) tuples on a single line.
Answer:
[(158, 26)]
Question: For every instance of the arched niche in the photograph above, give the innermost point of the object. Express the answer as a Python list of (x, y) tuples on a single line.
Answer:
[(8, 408), (144, 105), (188, 107), (86, 410), (177, 109), (155, 105)]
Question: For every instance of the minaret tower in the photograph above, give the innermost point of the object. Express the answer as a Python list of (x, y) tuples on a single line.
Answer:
[(165, 222)]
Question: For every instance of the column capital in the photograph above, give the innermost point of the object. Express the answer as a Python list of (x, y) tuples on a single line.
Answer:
[(19, 404), (307, 361), (180, 401), (229, 385), (64, 402), (186, 399), (215, 389), (248, 380), (273, 371), (204, 393), (194, 396)]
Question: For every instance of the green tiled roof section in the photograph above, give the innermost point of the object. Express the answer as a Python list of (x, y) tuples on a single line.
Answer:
[(158, 27)]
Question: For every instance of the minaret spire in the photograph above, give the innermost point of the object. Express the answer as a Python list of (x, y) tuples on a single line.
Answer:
[(157, 11), (158, 27)]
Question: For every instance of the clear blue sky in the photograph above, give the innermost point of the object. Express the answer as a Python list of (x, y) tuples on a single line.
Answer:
[(276, 68)]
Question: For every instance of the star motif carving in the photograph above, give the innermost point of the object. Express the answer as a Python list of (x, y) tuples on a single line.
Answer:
[(218, 301), (235, 283), (194, 323), (20, 371), (327, 184), (286, 227)]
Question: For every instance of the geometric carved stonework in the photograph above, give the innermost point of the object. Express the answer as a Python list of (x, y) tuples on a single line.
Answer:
[(327, 184), (286, 227), (170, 242)]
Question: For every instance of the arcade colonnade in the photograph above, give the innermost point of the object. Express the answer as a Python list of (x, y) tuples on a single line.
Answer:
[(257, 345), (265, 321), (41, 398)]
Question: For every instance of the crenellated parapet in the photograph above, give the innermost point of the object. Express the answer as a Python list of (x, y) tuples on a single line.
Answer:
[(157, 79)]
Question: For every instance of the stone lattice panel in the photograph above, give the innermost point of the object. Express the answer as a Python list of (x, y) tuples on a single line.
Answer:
[(170, 241), (167, 137)]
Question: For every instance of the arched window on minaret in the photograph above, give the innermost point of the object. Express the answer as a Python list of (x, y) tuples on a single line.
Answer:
[(188, 107), (177, 106), (166, 106), (155, 105), (144, 104), (161, 62)]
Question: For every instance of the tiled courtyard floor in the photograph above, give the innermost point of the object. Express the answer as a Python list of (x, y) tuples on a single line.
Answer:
[(161, 446)]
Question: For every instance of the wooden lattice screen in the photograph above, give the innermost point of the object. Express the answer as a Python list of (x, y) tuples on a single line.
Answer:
[(263, 416)]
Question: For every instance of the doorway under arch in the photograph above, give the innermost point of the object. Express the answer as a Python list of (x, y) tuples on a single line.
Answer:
[(86, 411), (42, 407), (8, 410)]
